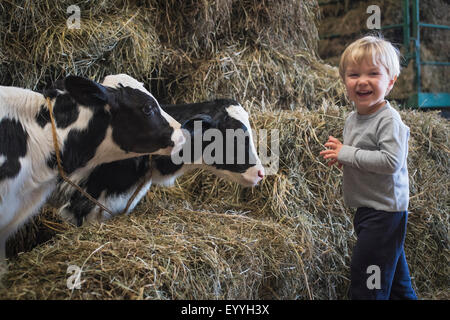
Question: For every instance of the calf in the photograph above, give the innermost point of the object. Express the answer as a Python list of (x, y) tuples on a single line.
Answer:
[(94, 124), (114, 183)]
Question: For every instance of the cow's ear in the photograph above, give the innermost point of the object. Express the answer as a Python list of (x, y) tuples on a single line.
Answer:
[(85, 91), (206, 121)]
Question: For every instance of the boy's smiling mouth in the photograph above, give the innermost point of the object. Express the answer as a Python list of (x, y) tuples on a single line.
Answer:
[(363, 93)]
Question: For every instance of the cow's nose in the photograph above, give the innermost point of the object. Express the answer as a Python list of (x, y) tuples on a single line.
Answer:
[(260, 174)]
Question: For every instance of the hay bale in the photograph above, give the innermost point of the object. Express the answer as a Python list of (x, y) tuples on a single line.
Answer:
[(178, 254), (244, 73), (206, 26), (39, 47), (240, 49), (37, 231), (289, 238)]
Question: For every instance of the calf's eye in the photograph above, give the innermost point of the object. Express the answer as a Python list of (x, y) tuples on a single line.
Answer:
[(147, 110)]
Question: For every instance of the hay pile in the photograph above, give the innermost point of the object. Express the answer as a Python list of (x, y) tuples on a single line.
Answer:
[(348, 18), (289, 238), (183, 50), (179, 254), (39, 48)]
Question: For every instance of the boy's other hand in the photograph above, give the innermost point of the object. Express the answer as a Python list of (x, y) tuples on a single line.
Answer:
[(334, 146)]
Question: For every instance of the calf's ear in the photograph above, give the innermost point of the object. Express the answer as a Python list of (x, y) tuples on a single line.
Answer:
[(85, 91), (206, 120)]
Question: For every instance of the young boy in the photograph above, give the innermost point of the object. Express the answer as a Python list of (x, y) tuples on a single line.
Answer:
[(373, 156)]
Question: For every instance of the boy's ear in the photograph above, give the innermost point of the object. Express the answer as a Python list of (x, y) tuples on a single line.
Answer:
[(391, 84), (85, 91), (393, 80)]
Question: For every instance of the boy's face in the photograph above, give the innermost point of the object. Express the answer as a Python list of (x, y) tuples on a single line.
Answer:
[(367, 85)]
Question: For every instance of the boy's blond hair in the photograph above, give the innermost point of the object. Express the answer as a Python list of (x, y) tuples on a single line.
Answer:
[(376, 50)]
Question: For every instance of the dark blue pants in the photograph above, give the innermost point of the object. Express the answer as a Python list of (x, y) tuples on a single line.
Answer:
[(379, 269)]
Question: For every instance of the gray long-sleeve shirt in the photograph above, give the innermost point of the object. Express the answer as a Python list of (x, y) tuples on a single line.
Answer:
[(374, 156)]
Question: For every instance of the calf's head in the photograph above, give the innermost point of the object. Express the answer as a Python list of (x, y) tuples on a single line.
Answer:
[(227, 146), (138, 124)]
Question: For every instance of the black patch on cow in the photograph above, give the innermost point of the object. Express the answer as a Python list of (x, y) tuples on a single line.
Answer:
[(65, 111), (51, 93), (114, 178), (231, 123), (164, 165), (207, 122), (118, 176), (80, 146), (43, 116), (80, 206), (13, 145), (215, 109), (54, 89), (51, 160)]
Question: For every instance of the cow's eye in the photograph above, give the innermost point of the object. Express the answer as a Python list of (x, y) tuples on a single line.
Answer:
[(148, 110)]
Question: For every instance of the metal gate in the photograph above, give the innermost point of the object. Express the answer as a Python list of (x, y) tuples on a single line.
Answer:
[(411, 26)]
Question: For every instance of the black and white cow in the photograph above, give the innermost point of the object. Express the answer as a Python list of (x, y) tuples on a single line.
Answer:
[(94, 124), (114, 183)]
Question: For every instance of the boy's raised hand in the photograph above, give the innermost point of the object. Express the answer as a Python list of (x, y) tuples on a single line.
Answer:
[(334, 146)]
